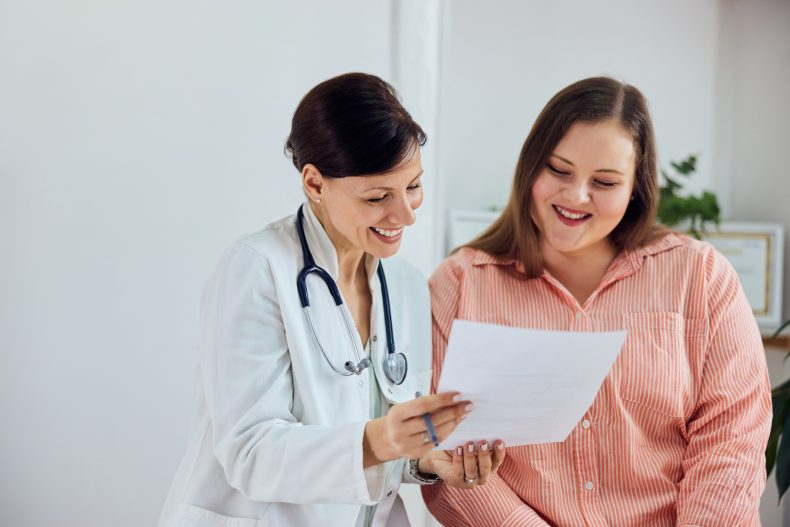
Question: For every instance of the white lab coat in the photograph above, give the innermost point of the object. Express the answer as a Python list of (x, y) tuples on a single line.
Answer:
[(277, 437)]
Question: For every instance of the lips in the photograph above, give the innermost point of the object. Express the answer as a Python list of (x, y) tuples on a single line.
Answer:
[(387, 235), (571, 217)]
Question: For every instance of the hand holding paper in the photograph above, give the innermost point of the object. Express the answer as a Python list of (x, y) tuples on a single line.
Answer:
[(527, 386)]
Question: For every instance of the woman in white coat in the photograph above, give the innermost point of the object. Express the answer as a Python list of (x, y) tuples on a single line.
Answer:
[(313, 348)]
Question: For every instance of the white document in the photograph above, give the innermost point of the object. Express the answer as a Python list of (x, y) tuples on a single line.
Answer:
[(526, 386)]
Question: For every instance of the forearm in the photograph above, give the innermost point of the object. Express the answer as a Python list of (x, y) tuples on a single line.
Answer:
[(494, 504), (723, 486)]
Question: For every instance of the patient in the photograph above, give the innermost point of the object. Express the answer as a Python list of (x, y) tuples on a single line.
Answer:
[(677, 433)]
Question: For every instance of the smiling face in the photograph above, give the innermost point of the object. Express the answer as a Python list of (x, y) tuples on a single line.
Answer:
[(367, 213), (584, 191)]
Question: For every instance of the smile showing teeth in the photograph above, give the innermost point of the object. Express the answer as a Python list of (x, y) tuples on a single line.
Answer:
[(388, 234), (570, 215)]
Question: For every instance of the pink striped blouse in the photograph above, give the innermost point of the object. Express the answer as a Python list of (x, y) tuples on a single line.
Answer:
[(677, 433)]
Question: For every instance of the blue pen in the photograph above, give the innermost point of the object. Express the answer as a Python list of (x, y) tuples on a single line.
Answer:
[(429, 424)]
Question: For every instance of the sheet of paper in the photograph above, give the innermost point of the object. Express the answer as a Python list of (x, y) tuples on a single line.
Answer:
[(527, 386)]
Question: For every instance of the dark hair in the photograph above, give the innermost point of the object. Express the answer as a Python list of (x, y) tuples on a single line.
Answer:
[(514, 235), (352, 125)]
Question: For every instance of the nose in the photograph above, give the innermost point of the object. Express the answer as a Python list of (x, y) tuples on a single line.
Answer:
[(577, 191), (403, 213)]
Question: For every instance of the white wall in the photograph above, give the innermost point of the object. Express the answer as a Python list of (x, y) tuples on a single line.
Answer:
[(506, 58), (137, 139)]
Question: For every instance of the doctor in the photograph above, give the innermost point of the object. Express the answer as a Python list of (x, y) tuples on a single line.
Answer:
[(313, 347)]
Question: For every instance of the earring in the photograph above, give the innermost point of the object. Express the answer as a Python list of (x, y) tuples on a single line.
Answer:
[(318, 200)]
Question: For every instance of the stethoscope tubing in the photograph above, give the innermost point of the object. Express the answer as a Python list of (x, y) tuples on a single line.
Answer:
[(310, 267)]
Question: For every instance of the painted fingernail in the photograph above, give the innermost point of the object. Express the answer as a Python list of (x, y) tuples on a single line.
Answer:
[(458, 397), (500, 446), (459, 451), (484, 447), (471, 448)]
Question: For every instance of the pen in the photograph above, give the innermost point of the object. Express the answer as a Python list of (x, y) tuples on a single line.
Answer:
[(429, 424)]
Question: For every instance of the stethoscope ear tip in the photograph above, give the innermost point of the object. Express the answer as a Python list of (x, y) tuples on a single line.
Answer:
[(357, 368)]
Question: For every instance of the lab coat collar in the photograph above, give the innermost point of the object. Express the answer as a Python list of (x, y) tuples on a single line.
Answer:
[(323, 249)]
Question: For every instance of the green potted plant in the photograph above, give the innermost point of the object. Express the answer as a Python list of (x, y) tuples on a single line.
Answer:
[(676, 208)]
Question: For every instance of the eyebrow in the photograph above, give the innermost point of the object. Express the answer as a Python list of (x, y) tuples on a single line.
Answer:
[(603, 170), (390, 188)]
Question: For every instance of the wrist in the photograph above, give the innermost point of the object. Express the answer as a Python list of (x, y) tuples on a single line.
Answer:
[(375, 448), (422, 476), (425, 465)]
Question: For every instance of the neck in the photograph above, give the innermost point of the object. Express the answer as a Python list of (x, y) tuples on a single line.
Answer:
[(350, 265), (350, 259), (580, 273)]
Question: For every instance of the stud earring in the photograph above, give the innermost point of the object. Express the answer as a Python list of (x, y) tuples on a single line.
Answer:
[(318, 200)]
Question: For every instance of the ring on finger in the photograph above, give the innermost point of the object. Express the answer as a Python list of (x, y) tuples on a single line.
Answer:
[(469, 481)]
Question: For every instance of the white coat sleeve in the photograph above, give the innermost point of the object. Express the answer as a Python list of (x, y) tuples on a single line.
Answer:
[(246, 369)]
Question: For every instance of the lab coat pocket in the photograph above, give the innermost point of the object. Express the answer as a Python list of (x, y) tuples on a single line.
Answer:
[(650, 368), (418, 381), (191, 516)]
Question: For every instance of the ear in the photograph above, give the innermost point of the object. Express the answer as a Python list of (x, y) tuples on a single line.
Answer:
[(312, 182)]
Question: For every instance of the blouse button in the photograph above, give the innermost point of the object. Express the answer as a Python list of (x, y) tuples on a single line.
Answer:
[(374, 338), (589, 485), (585, 424)]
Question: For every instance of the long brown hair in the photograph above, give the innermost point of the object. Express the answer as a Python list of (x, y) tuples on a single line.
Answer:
[(514, 235)]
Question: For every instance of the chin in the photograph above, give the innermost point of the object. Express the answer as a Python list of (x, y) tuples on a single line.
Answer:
[(384, 252)]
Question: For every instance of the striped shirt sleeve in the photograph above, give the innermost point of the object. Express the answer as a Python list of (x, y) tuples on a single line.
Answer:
[(724, 469)]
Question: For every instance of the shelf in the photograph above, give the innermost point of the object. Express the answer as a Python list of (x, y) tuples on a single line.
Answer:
[(780, 343)]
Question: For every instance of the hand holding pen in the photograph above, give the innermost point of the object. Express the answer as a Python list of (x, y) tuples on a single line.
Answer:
[(469, 465), (404, 431)]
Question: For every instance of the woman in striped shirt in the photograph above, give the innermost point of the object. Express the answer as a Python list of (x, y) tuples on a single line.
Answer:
[(676, 435)]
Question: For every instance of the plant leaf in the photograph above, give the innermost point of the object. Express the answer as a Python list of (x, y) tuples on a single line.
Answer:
[(779, 401), (781, 328), (783, 461), (770, 452), (687, 166)]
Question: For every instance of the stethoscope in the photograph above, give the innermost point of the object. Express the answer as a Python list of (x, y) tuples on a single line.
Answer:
[(394, 364)]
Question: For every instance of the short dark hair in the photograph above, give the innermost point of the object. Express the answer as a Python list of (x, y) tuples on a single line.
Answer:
[(596, 99), (352, 125)]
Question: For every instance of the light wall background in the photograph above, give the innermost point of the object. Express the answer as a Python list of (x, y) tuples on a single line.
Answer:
[(138, 139)]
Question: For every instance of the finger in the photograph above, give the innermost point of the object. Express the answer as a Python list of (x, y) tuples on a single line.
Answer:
[(429, 403), (455, 412), (483, 462), (497, 455), (470, 462), (451, 414), (443, 431), (458, 467)]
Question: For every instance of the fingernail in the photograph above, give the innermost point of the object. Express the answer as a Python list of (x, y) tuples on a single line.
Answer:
[(484, 447), (468, 407), (500, 446), (459, 451), (471, 448), (458, 397)]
